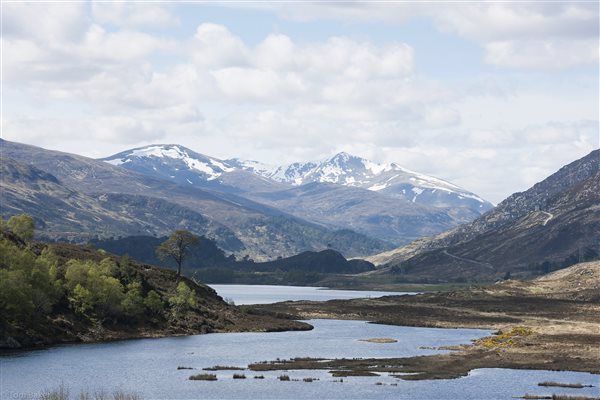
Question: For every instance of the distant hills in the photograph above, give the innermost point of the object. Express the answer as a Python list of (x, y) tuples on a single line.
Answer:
[(554, 224), (210, 263), (342, 205), (384, 201), (78, 198)]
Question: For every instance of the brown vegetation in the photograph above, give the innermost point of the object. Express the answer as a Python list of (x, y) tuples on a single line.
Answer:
[(544, 324)]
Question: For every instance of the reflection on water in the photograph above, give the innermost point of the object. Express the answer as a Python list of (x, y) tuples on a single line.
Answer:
[(149, 366)]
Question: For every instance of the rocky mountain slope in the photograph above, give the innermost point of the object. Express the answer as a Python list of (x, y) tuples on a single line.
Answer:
[(385, 201), (554, 224), (76, 191)]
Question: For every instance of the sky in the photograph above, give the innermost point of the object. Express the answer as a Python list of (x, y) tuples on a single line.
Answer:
[(492, 96)]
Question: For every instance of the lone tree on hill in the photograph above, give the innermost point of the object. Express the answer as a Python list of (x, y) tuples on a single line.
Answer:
[(177, 247)]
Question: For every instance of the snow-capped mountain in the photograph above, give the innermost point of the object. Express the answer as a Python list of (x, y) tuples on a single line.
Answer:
[(385, 201), (184, 166), (390, 179), (187, 163)]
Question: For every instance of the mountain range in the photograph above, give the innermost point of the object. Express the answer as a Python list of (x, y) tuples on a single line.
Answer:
[(384, 201), (78, 198), (345, 202), (553, 224)]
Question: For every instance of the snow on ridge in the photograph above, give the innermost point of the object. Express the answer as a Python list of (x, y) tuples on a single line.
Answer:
[(376, 168), (265, 170), (376, 188), (342, 168), (118, 161), (214, 168)]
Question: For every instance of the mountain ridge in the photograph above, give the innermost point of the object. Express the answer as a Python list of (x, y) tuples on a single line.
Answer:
[(554, 223), (265, 232), (389, 202)]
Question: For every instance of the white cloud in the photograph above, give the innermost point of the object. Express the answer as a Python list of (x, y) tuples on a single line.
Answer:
[(213, 46), (48, 23), (133, 15), (542, 54), (500, 27), (285, 99)]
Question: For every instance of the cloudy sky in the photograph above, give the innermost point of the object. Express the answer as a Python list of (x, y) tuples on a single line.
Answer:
[(491, 96)]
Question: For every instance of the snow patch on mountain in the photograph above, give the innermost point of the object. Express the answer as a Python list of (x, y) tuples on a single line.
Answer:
[(208, 166), (344, 169)]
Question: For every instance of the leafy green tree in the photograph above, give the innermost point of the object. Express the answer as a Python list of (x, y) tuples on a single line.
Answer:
[(15, 296), (153, 303), (133, 303), (21, 225), (106, 293), (28, 284), (183, 299), (177, 247), (81, 299), (46, 288)]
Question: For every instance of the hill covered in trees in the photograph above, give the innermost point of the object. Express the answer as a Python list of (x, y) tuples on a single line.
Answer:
[(58, 293)]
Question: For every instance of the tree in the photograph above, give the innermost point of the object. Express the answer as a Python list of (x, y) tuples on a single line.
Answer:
[(22, 226), (177, 247), (153, 302), (183, 299)]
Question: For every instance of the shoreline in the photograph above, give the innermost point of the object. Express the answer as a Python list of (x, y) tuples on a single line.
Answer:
[(536, 329)]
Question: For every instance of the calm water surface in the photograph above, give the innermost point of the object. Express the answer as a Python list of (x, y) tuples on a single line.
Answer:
[(265, 294), (149, 366)]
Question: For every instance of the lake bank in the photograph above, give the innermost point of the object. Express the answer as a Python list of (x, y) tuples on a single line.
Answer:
[(542, 325), (150, 367)]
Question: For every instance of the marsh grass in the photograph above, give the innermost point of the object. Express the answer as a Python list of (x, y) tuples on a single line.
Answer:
[(555, 397), (239, 376), (203, 377), (565, 385), (223, 368), (63, 393), (284, 377)]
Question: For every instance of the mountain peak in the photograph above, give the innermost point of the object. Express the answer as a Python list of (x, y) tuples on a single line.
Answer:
[(183, 165), (169, 157)]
